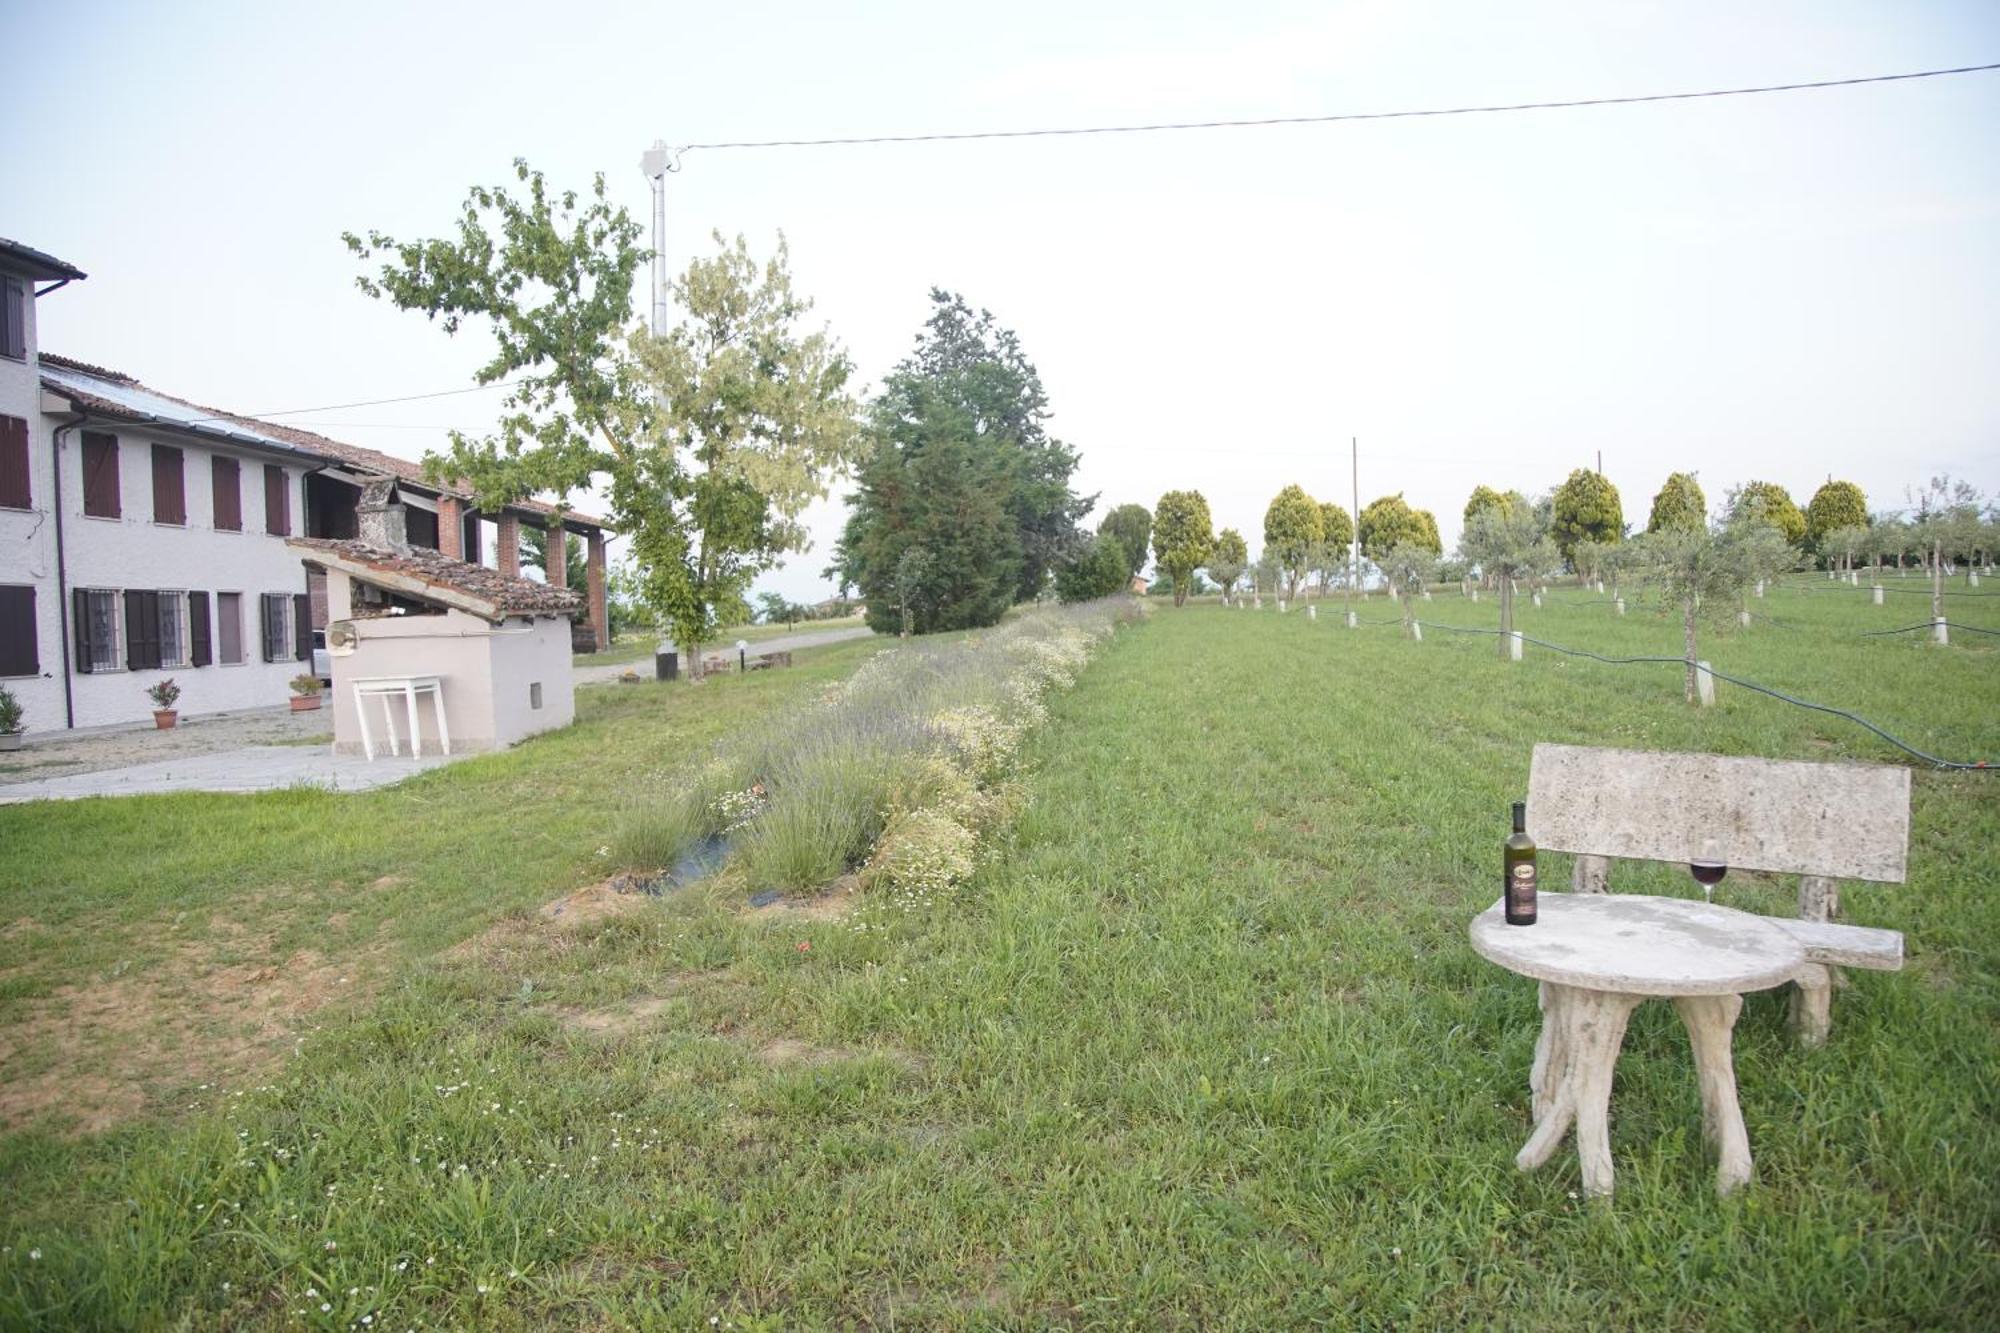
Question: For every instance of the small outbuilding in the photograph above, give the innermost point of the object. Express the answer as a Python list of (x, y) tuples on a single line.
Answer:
[(471, 658)]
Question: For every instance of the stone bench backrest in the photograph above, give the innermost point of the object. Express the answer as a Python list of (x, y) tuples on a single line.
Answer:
[(1839, 821)]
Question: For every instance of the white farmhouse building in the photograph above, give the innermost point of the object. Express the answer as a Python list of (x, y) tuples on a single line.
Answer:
[(143, 536)]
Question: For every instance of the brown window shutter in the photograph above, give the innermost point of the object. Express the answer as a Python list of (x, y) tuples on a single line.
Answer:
[(277, 501), (100, 475), (227, 479), (142, 630), (15, 490), (199, 653), (18, 649), (14, 319), (302, 627), (169, 489), (79, 619), (271, 622)]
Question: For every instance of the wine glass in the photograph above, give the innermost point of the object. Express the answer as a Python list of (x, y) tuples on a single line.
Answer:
[(1708, 867)]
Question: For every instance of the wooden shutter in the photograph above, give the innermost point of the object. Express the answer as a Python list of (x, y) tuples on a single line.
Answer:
[(15, 492), (271, 623), (100, 475), (199, 653), (14, 319), (227, 480), (142, 630), (79, 618), (169, 489), (277, 501), (18, 649), (302, 627)]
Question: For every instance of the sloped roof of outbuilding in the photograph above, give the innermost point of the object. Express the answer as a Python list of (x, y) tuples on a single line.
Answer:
[(425, 574)]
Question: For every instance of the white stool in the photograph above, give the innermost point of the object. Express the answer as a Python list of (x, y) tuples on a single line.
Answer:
[(387, 688)]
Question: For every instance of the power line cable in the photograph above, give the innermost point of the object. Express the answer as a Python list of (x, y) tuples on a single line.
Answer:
[(1334, 118), (367, 402)]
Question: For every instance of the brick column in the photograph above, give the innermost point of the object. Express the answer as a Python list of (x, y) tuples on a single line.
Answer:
[(600, 613), (557, 561), (508, 558), (451, 527)]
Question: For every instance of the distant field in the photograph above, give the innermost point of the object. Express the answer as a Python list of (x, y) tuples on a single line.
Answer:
[(1204, 1046), (639, 646)]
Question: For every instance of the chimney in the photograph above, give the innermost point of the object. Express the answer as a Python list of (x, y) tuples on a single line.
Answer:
[(380, 517)]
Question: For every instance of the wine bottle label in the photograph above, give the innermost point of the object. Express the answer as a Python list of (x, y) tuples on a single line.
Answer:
[(1522, 890)]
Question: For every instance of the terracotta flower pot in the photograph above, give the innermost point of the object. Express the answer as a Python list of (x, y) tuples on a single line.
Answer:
[(164, 718), (305, 703)]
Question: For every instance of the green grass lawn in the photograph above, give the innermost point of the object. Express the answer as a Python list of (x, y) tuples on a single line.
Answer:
[(1203, 1045), (639, 645)]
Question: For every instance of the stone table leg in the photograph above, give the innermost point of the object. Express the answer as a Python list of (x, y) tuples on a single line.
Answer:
[(1711, 1020), (1580, 1054)]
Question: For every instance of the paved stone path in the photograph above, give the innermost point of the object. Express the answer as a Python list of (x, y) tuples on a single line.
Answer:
[(788, 643), (250, 769)]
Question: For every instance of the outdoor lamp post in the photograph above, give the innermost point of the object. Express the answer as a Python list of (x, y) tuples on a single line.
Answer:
[(742, 660)]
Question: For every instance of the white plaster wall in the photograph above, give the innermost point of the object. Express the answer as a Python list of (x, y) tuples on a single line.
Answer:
[(27, 542), (132, 551), (485, 671)]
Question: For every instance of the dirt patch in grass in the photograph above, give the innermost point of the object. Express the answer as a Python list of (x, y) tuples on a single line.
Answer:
[(88, 1057), (591, 904), (839, 899)]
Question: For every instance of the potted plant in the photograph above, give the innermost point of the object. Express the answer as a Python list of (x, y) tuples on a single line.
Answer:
[(164, 696), (10, 720), (306, 689)]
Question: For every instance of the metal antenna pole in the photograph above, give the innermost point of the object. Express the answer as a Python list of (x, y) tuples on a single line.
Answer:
[(656, 162)]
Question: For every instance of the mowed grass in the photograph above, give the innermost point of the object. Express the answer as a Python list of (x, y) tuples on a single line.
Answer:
[(639, 645), (1204, 1046)]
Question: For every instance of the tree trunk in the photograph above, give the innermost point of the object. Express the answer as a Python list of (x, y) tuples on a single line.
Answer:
[(1506, 614), (1688, 644), (692, 651), (1937, 581)]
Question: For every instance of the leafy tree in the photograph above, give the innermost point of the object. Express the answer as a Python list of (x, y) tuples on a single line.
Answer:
[(1506, 541), (959, 430), (1679, 504), (535, 551), (1947, 523), (1335, 543), (1839, 546), (1293, 527), (713, 436), (1267, 573), (1390, 521), (1484, 498), (1227, 561), (1768, 502), (1707, 569), (1182, 538), (1890, 537), (1585, 506), (1835, 505), (1589, 558), (1133, 527), (1408, 565), (1104, 568)]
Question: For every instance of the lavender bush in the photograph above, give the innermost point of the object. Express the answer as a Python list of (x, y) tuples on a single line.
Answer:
[(897, 771)]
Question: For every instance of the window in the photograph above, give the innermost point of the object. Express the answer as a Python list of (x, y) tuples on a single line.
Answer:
[(169, 488), (96, 617), (100, 475), (534, 694), (18, 655), (13, 319), (201, 644), (277, 626), (229, 628), (172, 617), (277, 501), (227, 479), (14, 488)]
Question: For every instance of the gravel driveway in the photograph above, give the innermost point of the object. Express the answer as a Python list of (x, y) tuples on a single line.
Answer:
[(61, 754)]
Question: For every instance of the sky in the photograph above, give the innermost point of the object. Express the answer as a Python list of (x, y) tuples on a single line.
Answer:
[(1780, 287)]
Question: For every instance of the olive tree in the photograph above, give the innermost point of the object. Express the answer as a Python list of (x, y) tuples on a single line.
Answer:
[(1705, 569), (1506, 541), (1228, 560), (1948, 522), (1408, 565)]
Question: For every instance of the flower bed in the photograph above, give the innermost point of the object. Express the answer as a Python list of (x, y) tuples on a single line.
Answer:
[(900, 772)]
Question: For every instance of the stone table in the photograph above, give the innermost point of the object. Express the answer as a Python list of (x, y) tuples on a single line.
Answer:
[(1598, 957)]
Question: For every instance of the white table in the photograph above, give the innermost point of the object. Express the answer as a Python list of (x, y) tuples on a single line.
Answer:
[(388, 689), (1598, 957)]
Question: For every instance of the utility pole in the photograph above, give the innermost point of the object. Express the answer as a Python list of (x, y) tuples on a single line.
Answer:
[(1600, 462), (1354, 546), (656, 162)]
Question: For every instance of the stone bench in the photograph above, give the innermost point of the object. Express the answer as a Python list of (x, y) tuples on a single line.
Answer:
[(1822, 822)]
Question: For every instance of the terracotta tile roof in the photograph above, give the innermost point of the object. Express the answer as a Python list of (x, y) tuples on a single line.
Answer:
[(120, 395), (419, 572), (36, 263)]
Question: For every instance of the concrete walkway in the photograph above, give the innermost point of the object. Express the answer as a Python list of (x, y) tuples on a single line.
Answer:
[(251, 769), (786, 643)]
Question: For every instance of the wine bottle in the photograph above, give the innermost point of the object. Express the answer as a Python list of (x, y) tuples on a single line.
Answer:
[(1518, 887)]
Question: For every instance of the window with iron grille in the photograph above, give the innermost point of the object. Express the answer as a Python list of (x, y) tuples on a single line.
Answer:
[(173, 629), (97, 626), (277, 627)]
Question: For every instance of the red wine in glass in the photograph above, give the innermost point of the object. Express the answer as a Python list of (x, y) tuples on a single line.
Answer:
[(1708, 868)]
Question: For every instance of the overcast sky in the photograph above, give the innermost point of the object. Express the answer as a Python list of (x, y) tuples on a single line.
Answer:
[(1775, 287)]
